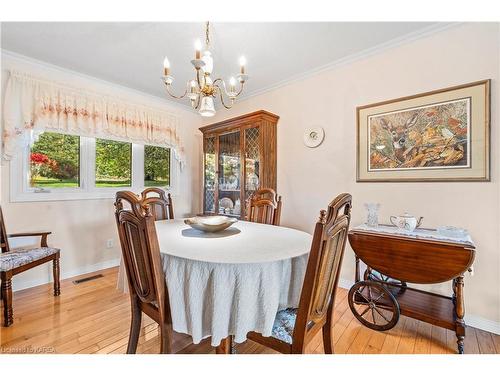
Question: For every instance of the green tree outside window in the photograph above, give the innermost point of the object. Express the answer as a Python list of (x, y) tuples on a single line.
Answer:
[(113, 163), (55, 161), (156, 166)]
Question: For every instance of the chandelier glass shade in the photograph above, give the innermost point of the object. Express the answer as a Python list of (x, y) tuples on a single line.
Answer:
[(203, 90)]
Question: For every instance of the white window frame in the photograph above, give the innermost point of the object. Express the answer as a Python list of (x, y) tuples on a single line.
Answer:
[(20, 191)]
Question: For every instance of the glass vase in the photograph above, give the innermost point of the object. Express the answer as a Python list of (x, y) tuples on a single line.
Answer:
[(372, 215)]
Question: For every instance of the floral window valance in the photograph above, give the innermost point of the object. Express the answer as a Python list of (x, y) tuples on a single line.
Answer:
[(35, 105)]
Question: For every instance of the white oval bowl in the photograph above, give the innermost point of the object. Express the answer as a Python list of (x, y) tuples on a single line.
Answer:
[(210, 223)]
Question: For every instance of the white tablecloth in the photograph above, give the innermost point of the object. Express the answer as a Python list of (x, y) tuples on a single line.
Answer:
[(232, 282)]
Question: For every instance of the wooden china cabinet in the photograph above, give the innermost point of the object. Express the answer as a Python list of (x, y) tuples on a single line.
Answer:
[(239, 158)]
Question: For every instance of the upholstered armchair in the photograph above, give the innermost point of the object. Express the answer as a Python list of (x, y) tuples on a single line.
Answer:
[(15, 261)]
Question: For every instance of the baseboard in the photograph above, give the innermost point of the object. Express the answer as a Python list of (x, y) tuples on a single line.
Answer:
[(471, 320), (345, 284), (16, 286), (484, 324)]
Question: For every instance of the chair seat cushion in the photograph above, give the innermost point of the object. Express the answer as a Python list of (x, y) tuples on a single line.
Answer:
[(19, 257), (284, 324)]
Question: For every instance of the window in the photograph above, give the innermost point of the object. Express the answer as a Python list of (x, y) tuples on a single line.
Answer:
[(113, 163), (156, 166), (55, 161), (66, 167)]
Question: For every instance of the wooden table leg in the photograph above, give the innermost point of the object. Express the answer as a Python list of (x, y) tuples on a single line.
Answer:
[(460, 311), (356, 276), (225, 346), (454, 288)]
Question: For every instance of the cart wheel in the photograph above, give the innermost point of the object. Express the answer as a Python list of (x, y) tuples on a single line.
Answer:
[(374, 305), (377, 276)]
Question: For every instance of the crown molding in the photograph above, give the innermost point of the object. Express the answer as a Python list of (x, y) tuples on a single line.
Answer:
[(391, 44), (33, 61)]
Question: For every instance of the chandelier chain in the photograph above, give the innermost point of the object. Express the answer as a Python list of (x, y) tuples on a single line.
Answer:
[(207, 34)]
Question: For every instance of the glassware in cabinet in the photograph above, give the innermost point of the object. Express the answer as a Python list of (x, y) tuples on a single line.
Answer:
[(229, 169)]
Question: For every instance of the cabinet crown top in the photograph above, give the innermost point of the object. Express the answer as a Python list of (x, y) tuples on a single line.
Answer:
[(239, 120)]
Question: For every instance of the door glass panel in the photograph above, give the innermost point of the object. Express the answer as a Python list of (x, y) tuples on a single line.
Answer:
[(210, 174), (229, 174), (252, 161)]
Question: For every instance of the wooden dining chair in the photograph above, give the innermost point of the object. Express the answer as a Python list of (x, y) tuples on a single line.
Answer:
[(161, 203), (294, 328), (264, 206), (15, 261), (146, 280)]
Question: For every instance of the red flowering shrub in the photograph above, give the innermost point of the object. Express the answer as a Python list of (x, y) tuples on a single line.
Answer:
[(42, 165), (38, 158)]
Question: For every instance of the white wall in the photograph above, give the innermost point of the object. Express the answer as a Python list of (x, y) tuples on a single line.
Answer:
[(81, 228), (308, 179)]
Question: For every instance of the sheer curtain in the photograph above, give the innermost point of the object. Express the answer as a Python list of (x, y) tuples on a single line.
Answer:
[(33, 105)]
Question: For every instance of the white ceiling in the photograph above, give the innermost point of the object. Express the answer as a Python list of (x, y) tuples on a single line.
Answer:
[(131, 54)]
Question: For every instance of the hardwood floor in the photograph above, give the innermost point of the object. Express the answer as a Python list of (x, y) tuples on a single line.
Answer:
[(93, 317)]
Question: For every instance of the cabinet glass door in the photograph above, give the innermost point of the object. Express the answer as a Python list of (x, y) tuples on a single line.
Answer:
[(252, 161), (210, 169), (229, 170)]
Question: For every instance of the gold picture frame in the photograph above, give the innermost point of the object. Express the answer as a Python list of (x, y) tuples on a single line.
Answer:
[(441, 135)]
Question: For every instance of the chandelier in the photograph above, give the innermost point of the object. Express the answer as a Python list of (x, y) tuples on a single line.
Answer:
[(202, 90)]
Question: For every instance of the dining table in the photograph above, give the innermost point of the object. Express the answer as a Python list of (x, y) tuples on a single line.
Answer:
[(226, 284)]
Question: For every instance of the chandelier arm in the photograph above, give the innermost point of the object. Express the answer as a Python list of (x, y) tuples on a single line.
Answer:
[(223, 84), (225, 89), (240, 90), (197, 101), (222, 98), (198, 79), (219, 80), (173, 95)]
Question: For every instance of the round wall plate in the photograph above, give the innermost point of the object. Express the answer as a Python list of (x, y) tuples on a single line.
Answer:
[(313, 137)]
